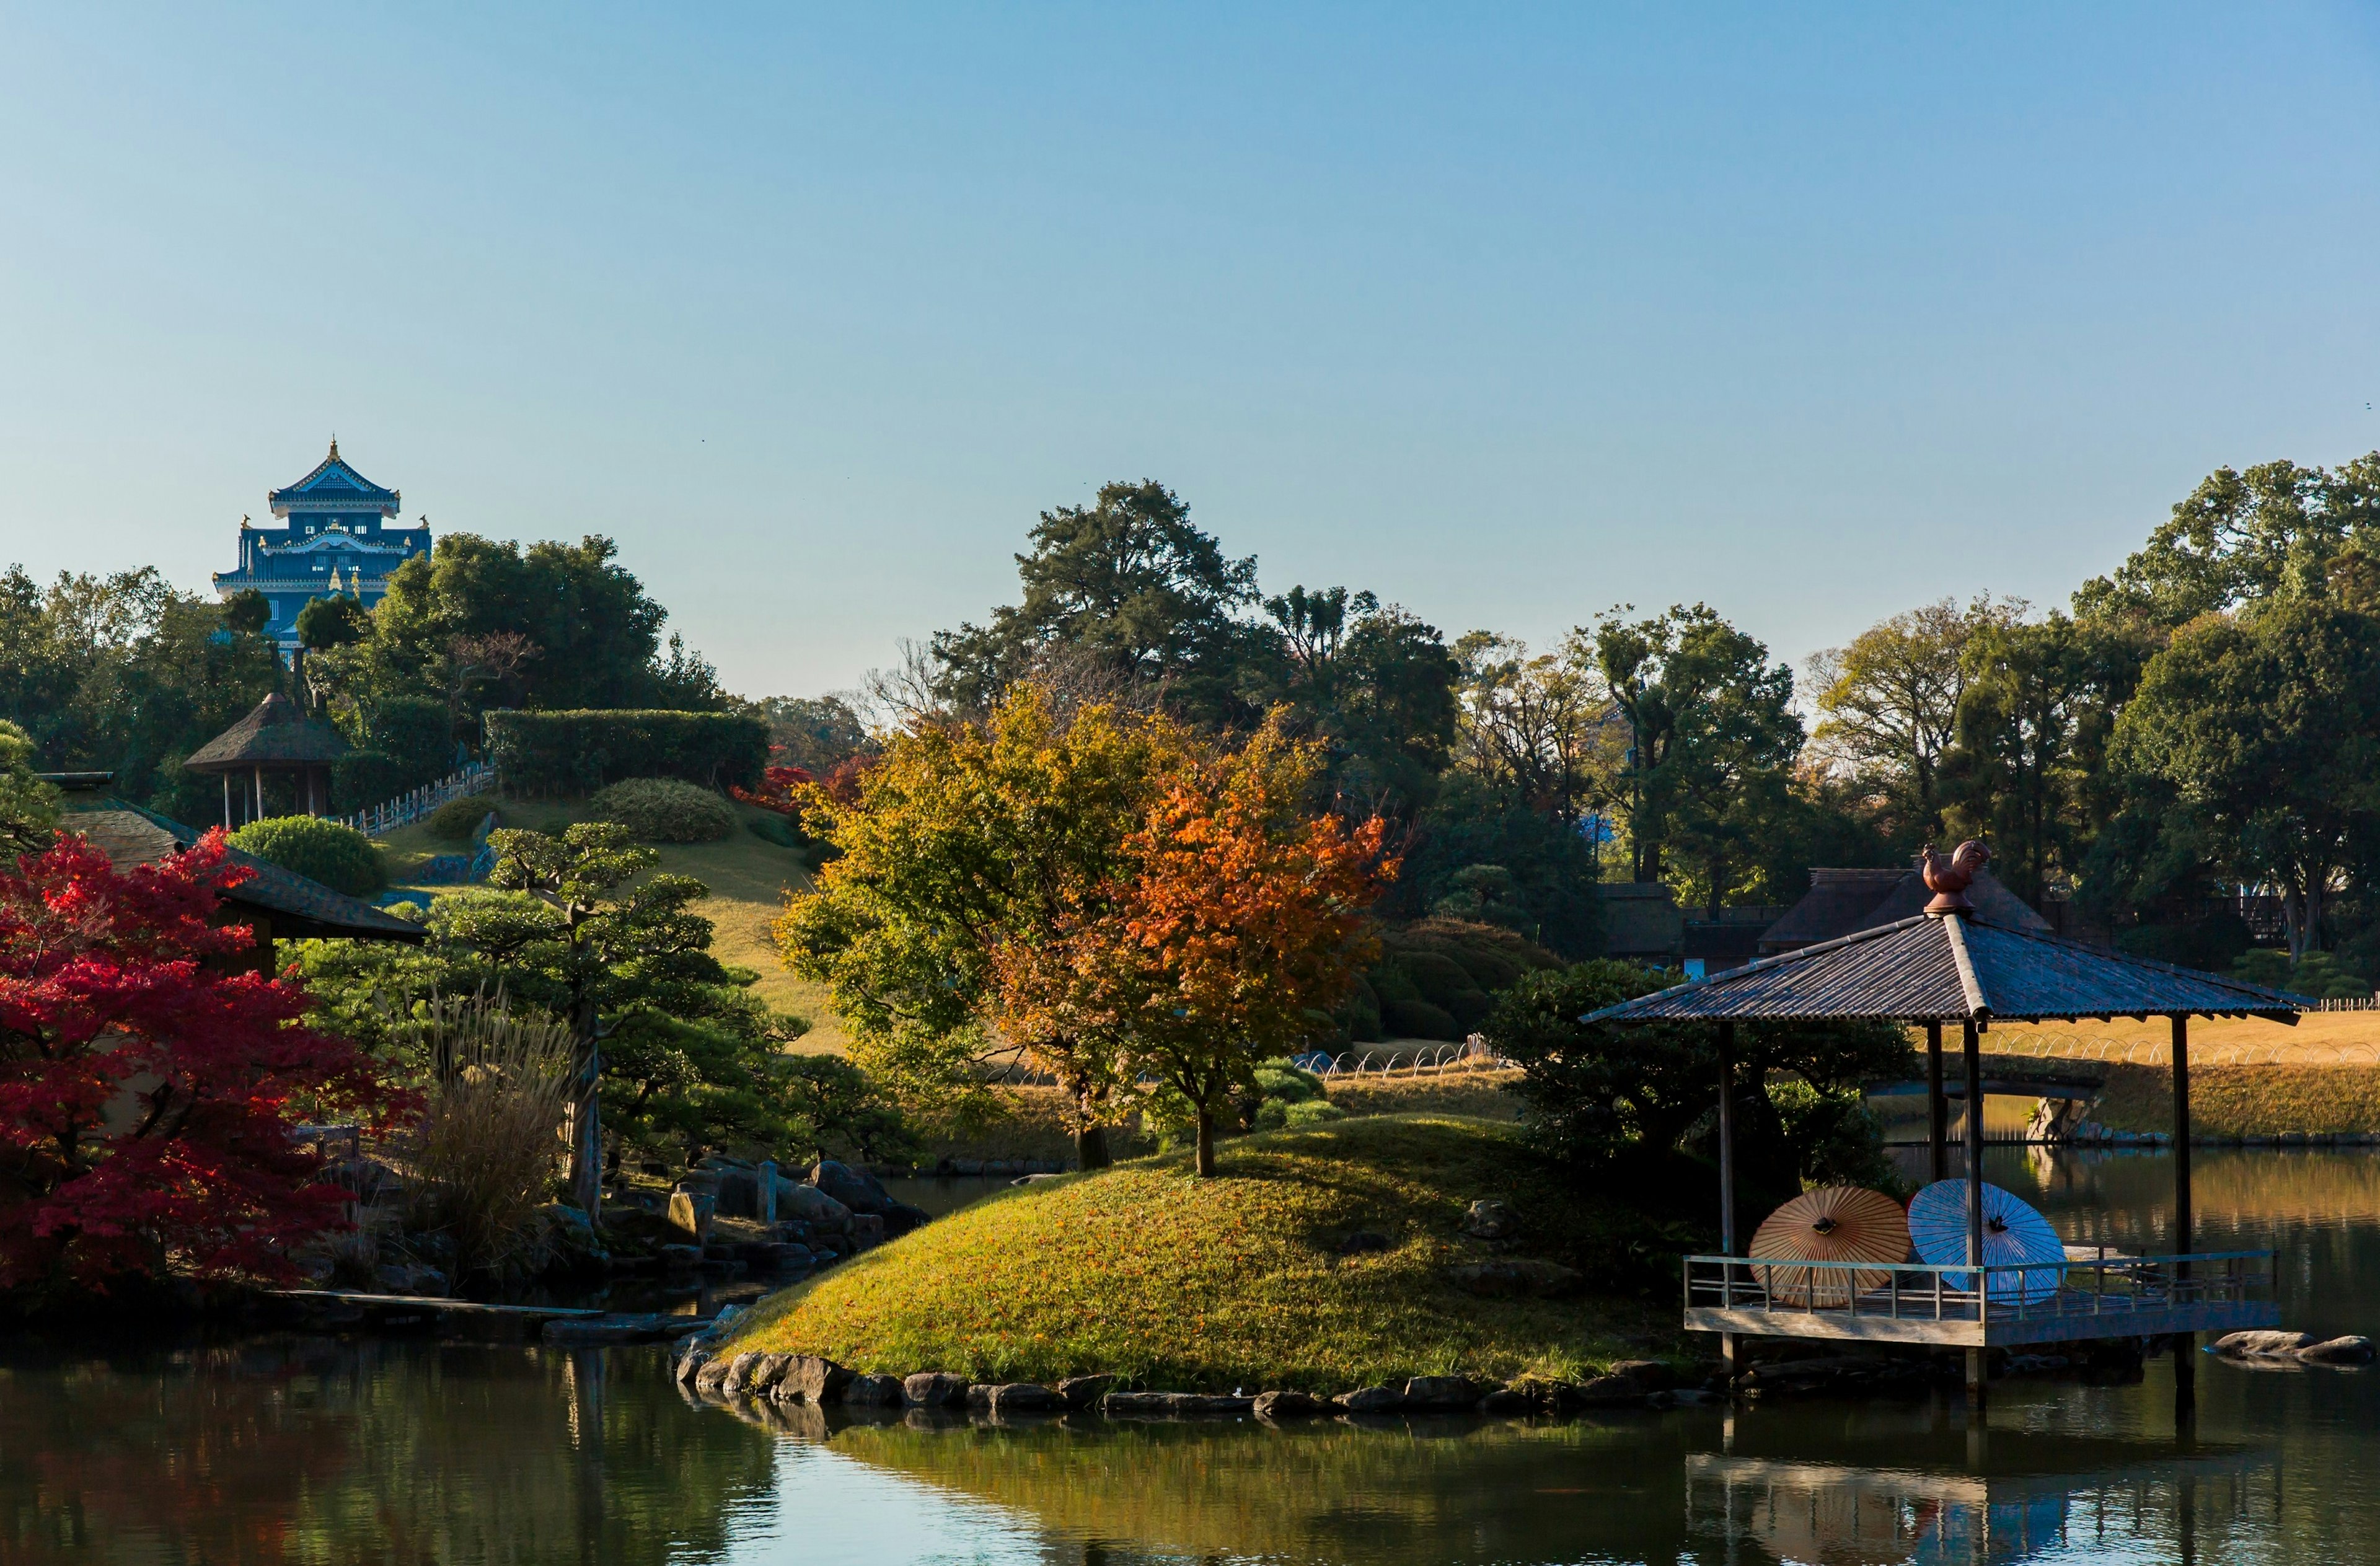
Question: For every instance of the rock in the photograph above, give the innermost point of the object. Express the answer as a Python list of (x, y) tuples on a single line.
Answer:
[(1441, 1392), (1650, 1374), (1083, 1392), (811, 1378), (1511, 1277), (766, 1376), (1287, 1406), (1370, 1400), (690, 1363), (1490, 1220), (739, 1193), (810, 1205), (931, 1389), (1504, 1401), (2339, 1351), (1605, 1392), (740, 1372), (690, 1213), (1362, 1241), (855, 1188), (684, 1258), (1023, 1397), (901, 1218), (712, 1376), (1172, 1405), (2269, 1344), (866, 1229), (873, 1391)]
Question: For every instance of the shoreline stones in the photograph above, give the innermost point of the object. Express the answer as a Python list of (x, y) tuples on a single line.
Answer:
[(2303, 1347)]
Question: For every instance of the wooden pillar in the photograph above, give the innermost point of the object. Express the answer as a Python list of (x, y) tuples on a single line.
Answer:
[(2185, 1344), (1728, 1349), (1974, 1062), (1937, 1108), (226, 783), (259, 772)]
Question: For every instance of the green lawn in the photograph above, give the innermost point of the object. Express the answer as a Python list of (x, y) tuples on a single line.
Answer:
[(1181, 1284)]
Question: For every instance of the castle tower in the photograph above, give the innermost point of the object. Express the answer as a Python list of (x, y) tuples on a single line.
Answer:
[(334, 539)]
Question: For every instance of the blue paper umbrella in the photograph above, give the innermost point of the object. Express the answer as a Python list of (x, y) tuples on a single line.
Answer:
[(2013, 1232)]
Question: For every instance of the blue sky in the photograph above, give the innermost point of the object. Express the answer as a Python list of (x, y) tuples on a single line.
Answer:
[(1507, 313)]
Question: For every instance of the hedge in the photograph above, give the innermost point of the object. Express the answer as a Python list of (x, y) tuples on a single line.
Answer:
[(339, 856), (665, 810), (551, 753)]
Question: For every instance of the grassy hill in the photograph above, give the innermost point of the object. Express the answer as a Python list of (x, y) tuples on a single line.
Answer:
[(1181, 1284), (748, 876)]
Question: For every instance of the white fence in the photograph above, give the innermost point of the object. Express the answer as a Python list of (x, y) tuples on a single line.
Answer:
[(407, 809)]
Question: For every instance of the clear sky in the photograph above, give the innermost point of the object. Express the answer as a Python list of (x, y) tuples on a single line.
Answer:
[(1507, 313)]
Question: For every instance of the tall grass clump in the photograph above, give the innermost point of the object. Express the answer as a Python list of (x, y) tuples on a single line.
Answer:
[(487, 1151)]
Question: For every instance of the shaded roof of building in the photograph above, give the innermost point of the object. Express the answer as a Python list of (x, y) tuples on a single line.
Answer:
[(273, 734), (1842, 902), (332, 479), (296, 906), (1936, 969)]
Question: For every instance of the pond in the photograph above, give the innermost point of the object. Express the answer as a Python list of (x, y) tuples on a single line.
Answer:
[(317, 1450)]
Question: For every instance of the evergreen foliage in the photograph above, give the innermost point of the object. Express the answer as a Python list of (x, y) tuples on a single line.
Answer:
[(664, 810), (580, 752), (338, 855)]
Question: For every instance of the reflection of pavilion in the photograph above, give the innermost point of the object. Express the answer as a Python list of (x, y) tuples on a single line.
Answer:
[(1829, 1514)]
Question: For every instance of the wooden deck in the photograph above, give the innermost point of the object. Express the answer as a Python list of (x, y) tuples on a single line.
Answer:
[(2047, 1303)]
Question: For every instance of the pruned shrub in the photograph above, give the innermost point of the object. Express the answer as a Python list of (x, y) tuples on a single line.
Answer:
[(339, 856), (665, 810), (457, 820)]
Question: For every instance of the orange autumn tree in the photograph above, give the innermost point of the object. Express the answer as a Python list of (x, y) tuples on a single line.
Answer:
[(1244, 924)]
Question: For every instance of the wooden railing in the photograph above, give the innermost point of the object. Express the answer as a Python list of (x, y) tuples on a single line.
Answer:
[(407, 809)]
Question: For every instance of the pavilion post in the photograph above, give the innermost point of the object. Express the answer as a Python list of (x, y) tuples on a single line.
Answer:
[(1974, 1062), (259, 771), (1937, 1108), (226, 783), (2185, 1344), (1728, 1349)]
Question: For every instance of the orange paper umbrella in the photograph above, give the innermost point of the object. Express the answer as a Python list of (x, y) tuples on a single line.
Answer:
[(1831, 1223)]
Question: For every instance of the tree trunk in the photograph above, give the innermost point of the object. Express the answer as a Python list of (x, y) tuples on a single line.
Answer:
[(1091, 1147), (586, 1139), (1206, 1165)]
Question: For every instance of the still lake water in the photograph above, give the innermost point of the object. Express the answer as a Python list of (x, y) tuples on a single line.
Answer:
[(318, 1450)]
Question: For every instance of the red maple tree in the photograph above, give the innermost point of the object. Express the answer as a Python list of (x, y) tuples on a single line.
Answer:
[(147, 1095)]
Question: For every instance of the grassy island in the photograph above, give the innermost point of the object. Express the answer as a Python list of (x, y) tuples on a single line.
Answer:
[(1247, 1279)]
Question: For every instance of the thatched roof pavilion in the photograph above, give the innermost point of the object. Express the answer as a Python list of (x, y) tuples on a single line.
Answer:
[(275, 736)]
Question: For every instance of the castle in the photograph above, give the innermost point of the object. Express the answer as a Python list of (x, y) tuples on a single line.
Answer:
[(335, 543)]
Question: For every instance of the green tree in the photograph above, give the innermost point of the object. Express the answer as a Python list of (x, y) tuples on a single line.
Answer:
[(1888, 706), (335, 621), (2243, 537), (627, 962), (2265, 726), (1127, 596), (1712, 739), (1376, 685), (959, 858), (1539, 725), (817, 734), (28, 808)]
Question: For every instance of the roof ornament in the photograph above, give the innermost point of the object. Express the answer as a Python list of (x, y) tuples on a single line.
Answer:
[(1948, 877), (335, 446)]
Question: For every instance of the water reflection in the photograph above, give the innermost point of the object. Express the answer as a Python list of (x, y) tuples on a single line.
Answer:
[(304, 1450)]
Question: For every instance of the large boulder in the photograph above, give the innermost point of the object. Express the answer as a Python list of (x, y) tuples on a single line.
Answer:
[(931, 1389), (690, 1213), (1084, 1391), (1371, 1399), (901, 1218), (1023, 1397), (811, 1378), (1441, 1392), (807, 1204), (873, 1391), (855, 1188), (1287, 1406)]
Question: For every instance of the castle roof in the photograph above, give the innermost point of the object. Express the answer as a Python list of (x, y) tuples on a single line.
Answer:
[(332, 484), (273, 734)]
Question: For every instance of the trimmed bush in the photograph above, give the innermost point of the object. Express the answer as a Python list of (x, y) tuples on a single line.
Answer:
[(456, 820), (339, 856), (665, 810), (563, 753)]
